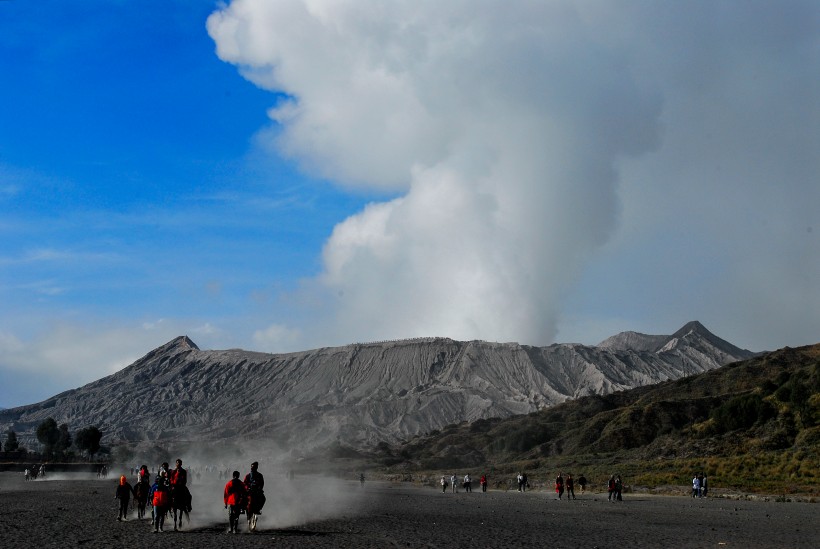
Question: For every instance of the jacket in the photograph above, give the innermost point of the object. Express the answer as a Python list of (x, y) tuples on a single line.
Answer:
[(159, 495), (234, 492)]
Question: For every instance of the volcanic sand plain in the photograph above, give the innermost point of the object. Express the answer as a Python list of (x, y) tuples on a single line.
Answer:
[(80, 511)]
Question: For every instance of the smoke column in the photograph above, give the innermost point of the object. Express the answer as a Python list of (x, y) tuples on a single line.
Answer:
[(498, 128)]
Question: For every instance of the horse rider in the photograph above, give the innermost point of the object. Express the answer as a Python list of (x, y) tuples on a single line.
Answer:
[(254, 484), (179, 484)]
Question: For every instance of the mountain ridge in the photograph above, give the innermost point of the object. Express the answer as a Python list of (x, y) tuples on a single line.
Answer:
[(760, 416), (363, 393)]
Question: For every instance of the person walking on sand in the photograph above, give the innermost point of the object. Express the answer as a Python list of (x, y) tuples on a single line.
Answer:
[(443, 485), (520, 479), (483, 482), (559, 485), (570, 487), (454, 482), (468, 483), (160, 498), (123, 493), (582, 482), (703, 486), (619, 486), (695, 486), (233, 497), (610, 488)]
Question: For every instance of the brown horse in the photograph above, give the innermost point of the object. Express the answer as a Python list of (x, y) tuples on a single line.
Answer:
[(181, 505), (141, 490)]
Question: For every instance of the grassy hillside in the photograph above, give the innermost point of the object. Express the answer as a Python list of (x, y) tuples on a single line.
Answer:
[(752, 425)]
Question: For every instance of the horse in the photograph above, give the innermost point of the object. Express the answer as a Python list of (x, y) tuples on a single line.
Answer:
[(141, 497), (255, 501), (181, 505)]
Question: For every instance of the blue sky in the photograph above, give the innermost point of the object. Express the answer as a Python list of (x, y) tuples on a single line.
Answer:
[(279, 176)]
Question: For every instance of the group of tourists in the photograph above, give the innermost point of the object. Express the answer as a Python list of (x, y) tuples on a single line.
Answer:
[(699, 487), (615, 488), (169, 494), (246, 496), (563, 484), (467, 483), (31, 473)]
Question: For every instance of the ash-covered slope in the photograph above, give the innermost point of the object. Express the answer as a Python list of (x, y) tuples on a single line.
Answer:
[(364, 393)]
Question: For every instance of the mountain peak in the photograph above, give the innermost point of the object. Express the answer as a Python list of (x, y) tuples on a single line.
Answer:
[(695, 330), (693, 326), (183, 342), (176, 345)]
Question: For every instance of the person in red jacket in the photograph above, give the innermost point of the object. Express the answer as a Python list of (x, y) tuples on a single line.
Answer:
[(160, 498), (178, 479), (233, 498)]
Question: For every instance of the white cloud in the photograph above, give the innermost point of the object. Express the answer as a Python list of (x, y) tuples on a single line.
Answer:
[(75, 352), (528, 137), (276, 338)]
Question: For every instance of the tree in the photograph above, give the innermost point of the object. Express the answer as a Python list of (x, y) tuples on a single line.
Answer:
[(64, 442), (88, 439), (49, 435), (11, 442)]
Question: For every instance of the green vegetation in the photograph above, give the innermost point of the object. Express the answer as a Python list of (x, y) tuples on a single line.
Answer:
[(88, 440), (57, 441), (752, 426), (12, 445)]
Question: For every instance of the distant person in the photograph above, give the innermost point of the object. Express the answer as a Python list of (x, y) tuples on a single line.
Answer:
[(610, 488), (582, 482), (443, 484), (468, 483), (454, 483), (695, 486), (570, 484), (28, 474), (361, 480), (526, 482), (123, 493), (700, 484), (619, 486), (233, 497), (483, 482), (559, 485), (160, 497), (703, 486), (520, 479)]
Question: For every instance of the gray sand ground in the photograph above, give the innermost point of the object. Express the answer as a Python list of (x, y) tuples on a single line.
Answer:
[(303, 513)]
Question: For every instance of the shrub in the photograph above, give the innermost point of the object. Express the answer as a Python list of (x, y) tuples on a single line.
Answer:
[(742, 412)]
